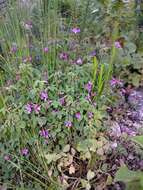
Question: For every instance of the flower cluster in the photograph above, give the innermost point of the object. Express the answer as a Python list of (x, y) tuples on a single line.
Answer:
[(44, 95), (118, 45), (68, 124), (44, 133), (90, 96), (32, 107), (116, 82), (24, 151), (64, 56), (46, 49)]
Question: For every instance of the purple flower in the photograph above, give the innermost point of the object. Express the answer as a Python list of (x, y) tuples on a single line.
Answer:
[(44, 95), (116, 82), (68, 124), (79, 61), (88, 98), (123, 92), (88, 86), (64, 56), (114, 145), (116, 130), (90, 115), (46, 49), (130, 132), (130, 157), (117, 44), (49, 102), (62, 101), (36, 108), (75, 30), (28, 108), (44, 133), (55, 111), (14, 48), (78, 115), (94, 104), (6, 157), (93, 53), (24, 151)]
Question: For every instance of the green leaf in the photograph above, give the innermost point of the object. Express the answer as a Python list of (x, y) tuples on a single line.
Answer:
[(126, 175), (42, 121), (55, 104), (22, 124), (136, 80), (134, 185), (138, 139), (131, 47), (52, 157), (82, 147), (88, 144)]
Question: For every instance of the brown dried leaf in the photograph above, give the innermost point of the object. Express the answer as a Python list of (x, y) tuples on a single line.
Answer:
[(71, 169)]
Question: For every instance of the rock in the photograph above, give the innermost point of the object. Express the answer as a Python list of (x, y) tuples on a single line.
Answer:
[(135, 100)]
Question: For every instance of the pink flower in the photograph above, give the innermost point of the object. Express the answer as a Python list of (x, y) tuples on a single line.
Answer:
[(44, 95), (44, 133), (79, 61), (36, 108), (90, 115), (117, 44), (28, 108), (62, 101), (6, 157), (88, 98), (49, 102), (88, 86), (64, 56), (116, 82), (68, 124), (75, 30), (123, 92), (46, 49), (114, 145), (24, 151), (78, 115)]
